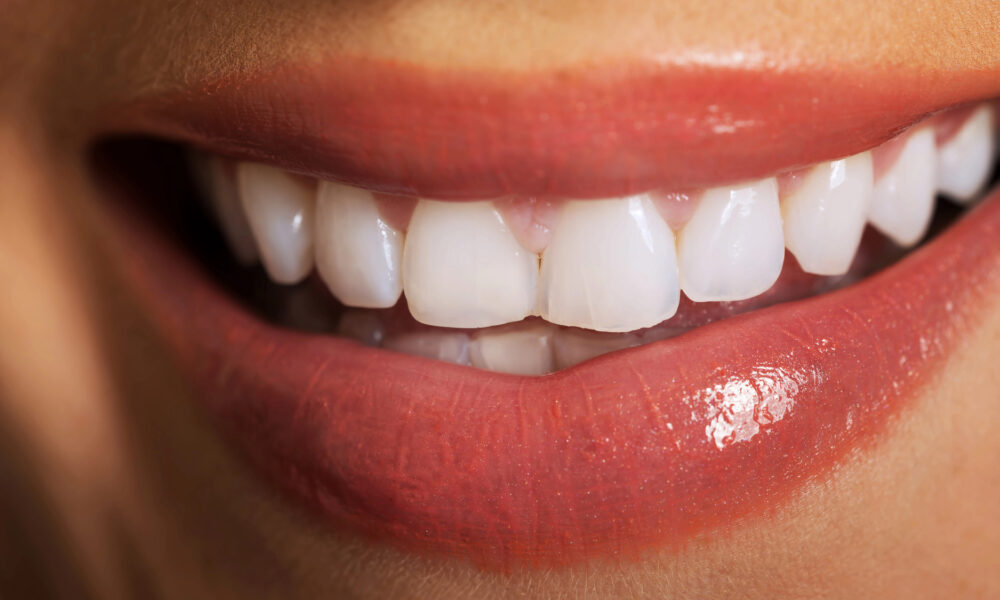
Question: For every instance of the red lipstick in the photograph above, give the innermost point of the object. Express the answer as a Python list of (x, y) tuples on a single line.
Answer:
[(634, 450)]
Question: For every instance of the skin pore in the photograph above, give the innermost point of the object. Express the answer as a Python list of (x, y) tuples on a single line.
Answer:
[(118, 484)]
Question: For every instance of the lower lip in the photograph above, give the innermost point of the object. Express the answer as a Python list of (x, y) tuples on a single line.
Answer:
[(634, 450)]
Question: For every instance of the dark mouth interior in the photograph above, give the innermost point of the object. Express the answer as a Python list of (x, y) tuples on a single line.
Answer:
[(154, 178)]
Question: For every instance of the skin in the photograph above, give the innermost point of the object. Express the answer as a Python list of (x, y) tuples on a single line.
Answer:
[(114, 482)]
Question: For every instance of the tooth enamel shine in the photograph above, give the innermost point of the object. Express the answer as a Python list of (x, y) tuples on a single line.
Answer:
[(825, 217), (279, 209), (358, 254)]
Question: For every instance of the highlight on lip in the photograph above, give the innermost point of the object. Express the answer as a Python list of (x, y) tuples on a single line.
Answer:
[(518, 282)]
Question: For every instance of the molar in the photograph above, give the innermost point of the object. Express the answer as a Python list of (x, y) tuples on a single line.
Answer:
[(611, 266), (826, 215), (462, 267), (279, 209), (732, 248)]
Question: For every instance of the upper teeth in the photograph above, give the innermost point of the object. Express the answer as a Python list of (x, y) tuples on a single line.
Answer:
[(964, 162), (903, 198), (733, 247), (606, 265), (279, 209), (825, 217), (610, 266), (357, 252), (462, 267)]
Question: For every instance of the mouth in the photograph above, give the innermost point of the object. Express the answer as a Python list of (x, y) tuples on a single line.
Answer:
[(520, 333)]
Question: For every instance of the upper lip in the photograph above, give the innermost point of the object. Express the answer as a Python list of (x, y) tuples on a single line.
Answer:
[(602, 131)]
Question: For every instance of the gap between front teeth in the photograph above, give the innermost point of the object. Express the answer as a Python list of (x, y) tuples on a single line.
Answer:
[(610, 265)]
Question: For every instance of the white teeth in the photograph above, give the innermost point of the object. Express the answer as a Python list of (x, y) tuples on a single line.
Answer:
[(358, 254), (279, 209), (964, 162), (903, 198), (733, 247), (826, 215), (462, 267), (610, 266), (610, 272), (573, 346), (219, 187), (519, 351), (444, 346)]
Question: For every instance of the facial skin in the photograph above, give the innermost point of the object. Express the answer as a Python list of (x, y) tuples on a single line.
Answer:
[(114, 482)]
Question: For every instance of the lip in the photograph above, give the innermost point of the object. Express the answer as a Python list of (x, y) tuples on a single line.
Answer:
[(607, 130), (639, 449)]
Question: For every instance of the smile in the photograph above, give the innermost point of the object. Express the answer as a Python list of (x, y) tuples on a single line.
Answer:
[(548, 327)]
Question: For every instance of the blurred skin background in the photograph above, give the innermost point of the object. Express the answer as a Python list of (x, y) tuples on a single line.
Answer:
[(113, 482)]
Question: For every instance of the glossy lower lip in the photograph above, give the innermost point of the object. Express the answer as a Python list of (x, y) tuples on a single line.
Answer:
[(635, 450), (602, 131)]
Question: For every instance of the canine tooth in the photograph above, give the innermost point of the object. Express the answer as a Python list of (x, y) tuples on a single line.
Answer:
[(826, 215), (448, 347), (611, 266), (358, 254), (219, 188), (733, 247), (964, 162), (462, 267), (574, 346), (362, 326), (518, 351), (279, 209), (903, 198)]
